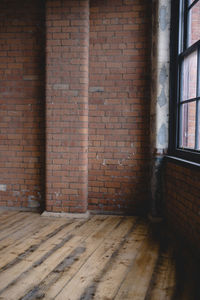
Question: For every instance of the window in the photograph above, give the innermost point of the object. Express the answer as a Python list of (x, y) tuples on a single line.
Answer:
[(185, 80)]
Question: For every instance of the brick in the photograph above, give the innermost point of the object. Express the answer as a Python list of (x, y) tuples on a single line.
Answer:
[(96, 89), (61, 86)]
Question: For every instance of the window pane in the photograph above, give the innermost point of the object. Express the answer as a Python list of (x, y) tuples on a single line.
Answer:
[(198, 135), (189, 77), (187, 126), (194, 24), (190, 2)]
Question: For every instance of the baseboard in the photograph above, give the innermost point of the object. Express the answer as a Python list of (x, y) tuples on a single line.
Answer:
[(154, 219), (22, 209), (66, 215)]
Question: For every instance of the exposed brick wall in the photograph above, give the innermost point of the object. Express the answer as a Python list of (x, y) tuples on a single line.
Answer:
[(118, 97), (21, 102), (182, 200), (119, 105), (67, 25)]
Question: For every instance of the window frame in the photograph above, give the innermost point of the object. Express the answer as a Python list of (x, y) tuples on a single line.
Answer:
[(177, 56)]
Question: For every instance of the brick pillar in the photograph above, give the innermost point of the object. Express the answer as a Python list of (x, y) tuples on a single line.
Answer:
[(159, 111), (67, 38)]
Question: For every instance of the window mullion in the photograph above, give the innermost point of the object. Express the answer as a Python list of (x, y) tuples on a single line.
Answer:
[(181, 27), (179, 136), (183, 23), (180, 125), (193, 3), (186, 25), (189, 50)]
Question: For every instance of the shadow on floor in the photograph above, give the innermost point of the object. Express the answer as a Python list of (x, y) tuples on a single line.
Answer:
[(185, 277)]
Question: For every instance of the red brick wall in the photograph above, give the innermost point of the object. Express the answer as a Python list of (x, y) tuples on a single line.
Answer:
[(119, 105), (21, 102), (182, 200), (67, 25)]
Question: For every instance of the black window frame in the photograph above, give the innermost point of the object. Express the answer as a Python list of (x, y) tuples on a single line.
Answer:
[(179, 19)]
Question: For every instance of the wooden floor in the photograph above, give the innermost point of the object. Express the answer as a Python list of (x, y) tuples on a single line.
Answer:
[(103, 257)]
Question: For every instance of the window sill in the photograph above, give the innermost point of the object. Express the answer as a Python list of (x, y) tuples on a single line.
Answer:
[(183, 162)]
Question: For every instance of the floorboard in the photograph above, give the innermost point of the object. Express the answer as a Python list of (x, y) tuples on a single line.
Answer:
[(102, 258)]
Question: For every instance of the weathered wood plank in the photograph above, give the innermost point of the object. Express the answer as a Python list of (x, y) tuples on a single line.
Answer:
[(6, 216), (56, 279), (108, 285), (138, 278), (90, 245), (102, 258), (9, 224), (163, 282), (95, 264), (11, 274), (9, 242), (36, 269), (36, 236)]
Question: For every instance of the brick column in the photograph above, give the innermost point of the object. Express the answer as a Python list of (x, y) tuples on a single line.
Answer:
[(67, 38)]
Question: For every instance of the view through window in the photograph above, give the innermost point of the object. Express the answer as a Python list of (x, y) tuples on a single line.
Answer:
[(187, 138)]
